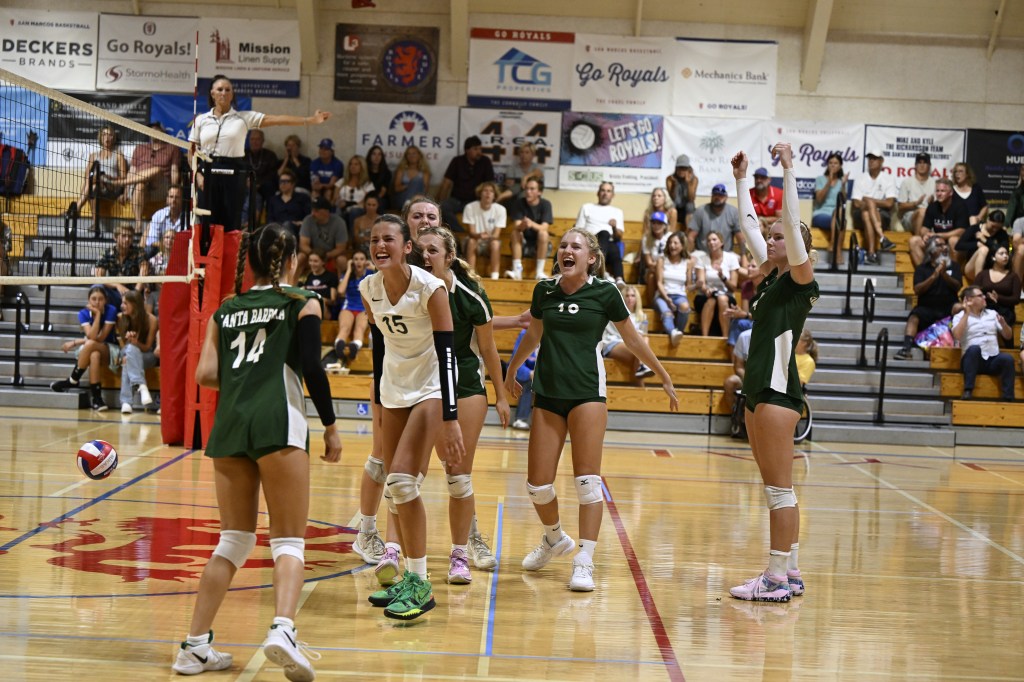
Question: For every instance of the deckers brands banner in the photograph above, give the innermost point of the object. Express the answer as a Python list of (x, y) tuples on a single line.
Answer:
[(725, 78), (146, 54), (262, 58), (57, 49), (385, 63), (711, 143), (900, 145), (622, 148), (622, 75), (996, 157), (502, 132), (520, 69), (434, 130), (813, 142)]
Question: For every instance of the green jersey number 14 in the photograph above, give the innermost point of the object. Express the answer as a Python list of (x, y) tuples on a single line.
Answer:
[(254, 353)]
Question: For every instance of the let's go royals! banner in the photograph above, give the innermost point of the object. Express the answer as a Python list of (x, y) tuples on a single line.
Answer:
[(711, 143), (733, 79), (622, 148), (813, 142), (503, 131), (514, 69), (434, 130), (146, 54), (624, 75), (57, 49), (262, 58)]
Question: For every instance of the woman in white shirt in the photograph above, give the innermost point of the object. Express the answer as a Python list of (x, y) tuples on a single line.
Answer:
[(672, 275), (717, 281)]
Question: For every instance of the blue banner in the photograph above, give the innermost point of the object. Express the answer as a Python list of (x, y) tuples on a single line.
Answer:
[(175, 112)]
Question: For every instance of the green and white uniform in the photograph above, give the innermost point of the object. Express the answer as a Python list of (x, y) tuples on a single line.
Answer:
[(261, 407), (470, 309), (569, 362), (779, 310)]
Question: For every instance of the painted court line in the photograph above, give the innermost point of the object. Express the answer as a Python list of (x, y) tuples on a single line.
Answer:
[(121, 465), (483, 666), (252, 668)]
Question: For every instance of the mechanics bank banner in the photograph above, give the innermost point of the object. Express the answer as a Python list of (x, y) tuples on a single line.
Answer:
[(622, 75), (147, 54), (513, 69), (262, 58), (732, 79), (56, 49)]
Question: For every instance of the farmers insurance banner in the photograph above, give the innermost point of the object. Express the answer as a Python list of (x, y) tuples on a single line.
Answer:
[(261, 57), (724, 78), (503, 131), (812, 142), (996, 156), (385, 63), (57, 49), (146, 54), (711, 143), (435, 130), (520, 69), (622, 148), (901, 145), (623, 75)]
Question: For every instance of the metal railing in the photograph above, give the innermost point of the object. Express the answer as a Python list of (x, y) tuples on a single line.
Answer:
[(852, 264), (840, 216), (882, 362), (20, 301), (868, 316), (71, 234), (46, 269)]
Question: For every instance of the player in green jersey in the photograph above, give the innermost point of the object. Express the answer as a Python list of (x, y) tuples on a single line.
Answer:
[(569, 314)]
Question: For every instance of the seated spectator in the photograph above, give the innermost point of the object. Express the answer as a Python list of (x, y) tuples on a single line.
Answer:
[(170, 217), (123, 259), (158, 267), (717, 284), (324, 231), (523, 168), (322, 281), (1000, 285), (980, 241), (682, 190), (733, 384), (873, 200), (155, 166), (380, 174), (916, 192), (360, 232), (97, 345), (264, 164), (106, 170), (652, 247), (352, 321), (977, 329), (325, 170), (136, 333), (827, 189), (967, 189), (946, 216), (484, 219), (524, 375), (531, 217), (767, 199), (412, 177), (660, 203), (352, 189), (612, 345), (297, 163), (936, 283), (288, 207), (672, 276), (719, 217), (464, 174), (806, 353)]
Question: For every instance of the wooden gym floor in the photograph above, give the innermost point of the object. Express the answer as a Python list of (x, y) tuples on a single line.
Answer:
[(913, 558)]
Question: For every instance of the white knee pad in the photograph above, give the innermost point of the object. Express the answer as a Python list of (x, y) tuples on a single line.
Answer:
[(404, 487), (392, 507), (375, 468), (295, 547), (589, 489), (460, 485), (235, 546), (779, 498), (540, 494)]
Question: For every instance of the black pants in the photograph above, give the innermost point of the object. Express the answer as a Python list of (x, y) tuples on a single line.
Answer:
[(1000, 364), (224, 188), (612, 255)]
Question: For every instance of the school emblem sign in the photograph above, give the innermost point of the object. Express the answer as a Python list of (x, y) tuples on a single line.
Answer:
[(386, 64)]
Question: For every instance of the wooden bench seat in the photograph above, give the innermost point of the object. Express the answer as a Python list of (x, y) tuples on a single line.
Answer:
[(109, 379), (949, 359), (951, 385), (987, 413)]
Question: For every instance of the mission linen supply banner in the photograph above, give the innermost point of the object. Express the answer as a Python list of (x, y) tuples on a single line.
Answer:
[(813, 142), (625, 149), (900, 145), (724, 78), (711, 143), (434, 130), (514, 69), (56, 49), (996, 156), (503, 131), (622, 75), (146, 54), (261, 57), (385, 63)]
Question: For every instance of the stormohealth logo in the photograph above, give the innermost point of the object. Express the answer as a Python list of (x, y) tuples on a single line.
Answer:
[(522, 69), (408, 121)]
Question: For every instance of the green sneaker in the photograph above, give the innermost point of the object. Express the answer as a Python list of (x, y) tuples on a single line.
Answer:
[(388, 594), (416, 599)]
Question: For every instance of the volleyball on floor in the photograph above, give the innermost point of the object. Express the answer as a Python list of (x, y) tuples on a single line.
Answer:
[(97, 459)]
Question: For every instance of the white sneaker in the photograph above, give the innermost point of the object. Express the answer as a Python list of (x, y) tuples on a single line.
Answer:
[(192, 660), (481, 554), (126, 408), (674, 337), (543, 553), (582, 574), (521, 425), (513, 274), (282, 648), (369, 547), (541, 275), (494, 275), (144, 395)]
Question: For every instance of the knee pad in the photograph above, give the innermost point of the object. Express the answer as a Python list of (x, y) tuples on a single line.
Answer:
[(404, 487), (779, 498), (589, 489), (392, 507), (295, 547), (375, 469), (540, 494), (460, 486), (235, 546)]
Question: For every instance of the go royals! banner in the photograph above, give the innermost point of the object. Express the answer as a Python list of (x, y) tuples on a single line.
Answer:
[(146, 54), (512, 69), (56, 49), (813, 142), (622, 75), (711, 144), (622, 148), (386, 63), (435, 130), (900, 145), (503, 131), (724, 78), (262, 58)]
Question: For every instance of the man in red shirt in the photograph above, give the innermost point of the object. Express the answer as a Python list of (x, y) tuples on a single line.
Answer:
[(767, 199), (154, 168)]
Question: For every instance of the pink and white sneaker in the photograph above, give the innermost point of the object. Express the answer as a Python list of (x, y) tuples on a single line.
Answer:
[(458, 568), (765, 587), (796, 582), (387, 570)]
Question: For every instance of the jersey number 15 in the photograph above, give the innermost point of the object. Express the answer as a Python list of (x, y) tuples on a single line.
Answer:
[(254, 353)]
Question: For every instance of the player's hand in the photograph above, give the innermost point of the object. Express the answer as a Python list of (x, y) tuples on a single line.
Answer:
[(783, 151), (670, 391), (513, 388), (332, 445), (451, 449), (501, 406), (739, 165)]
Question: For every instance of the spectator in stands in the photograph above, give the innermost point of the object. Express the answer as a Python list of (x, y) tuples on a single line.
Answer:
[(717, 284), (734, 382), (672, 276), (682, 190), (1015, 205), (288, 207), (380, 174), (874, 199), (95, 348), (660, 203), (1000, 285), (323, 231), (352, 320), (324, 171), (170, 217), (608, 224), (154, 167), (612, 345), (946, 216), (936, 283), (524, 375), (264, 164), (123, 259), (352, 189), (412, 177), (136, 334), (484, 219), (104, 169), (523, 168), (806, 352), (971, 192), (916, 192), (827, 188), (977, 329), (719, 217), (463, 175), (980, 241), (296, 162), (652, 247), (1018, 246), (359, 236), (158, 267), (322, 281), (531, 217), (767, 199)]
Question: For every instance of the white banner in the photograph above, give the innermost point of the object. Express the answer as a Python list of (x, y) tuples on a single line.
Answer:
[(812, 142), (725, 78), (520, 69), (622, 75), (901, 145), (435, 130), (147, 54), (503, 131), (711, 143), (56, 49), (261, 57)]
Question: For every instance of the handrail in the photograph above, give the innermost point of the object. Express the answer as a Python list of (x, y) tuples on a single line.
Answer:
[(46, 263), (881, 361), (868, 316), (852, 264), (71, 234), (94, 196), (840, 228), (20, 301)]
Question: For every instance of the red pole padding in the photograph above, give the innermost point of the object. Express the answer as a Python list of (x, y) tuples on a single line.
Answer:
[(174, 325)]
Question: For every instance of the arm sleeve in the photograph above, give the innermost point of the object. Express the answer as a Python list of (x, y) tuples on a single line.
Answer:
[(444, 345), (796, 251), (749, 223), (378, 360), (316, 381)]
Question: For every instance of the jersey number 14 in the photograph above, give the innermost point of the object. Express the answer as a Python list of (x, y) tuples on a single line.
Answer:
[(254, 353)]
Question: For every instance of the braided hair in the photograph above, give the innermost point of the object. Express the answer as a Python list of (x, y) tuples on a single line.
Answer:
[(267, 249), (463, 272)]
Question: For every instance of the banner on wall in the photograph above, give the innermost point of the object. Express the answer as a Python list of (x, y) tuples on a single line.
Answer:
[(261, 57), (900, 145), (174, 112), (813, 142), (503, 131), (996, 157), (711, 143), (146, 54), (625, 149), (74, 134), (385, 63), (622, 75), (724, 78), (434, 130), (515, 69), (56, 49)]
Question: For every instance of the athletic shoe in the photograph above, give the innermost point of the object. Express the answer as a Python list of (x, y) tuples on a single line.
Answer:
[(479, 551), (796, 582), (96, 403), (871, 258), (674, 337), (387, 595), (521, 425), (388, 567), (126, 408), (282, 647), (544, 552), (415, 599), (904, 354), (494, 275), (764, 587), (192, 660), (369, 547), (643, 371), (144, 395), (353, 351), (514, 274), (63, 385), (582, 574), (540, 275), (886, 244), (458, 568)]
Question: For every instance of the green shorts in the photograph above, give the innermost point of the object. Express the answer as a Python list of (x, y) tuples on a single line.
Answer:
[(773, 397), (562, 406), (256, 453)]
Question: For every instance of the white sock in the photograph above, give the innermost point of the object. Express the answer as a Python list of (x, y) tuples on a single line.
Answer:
[(517, 265), (281, 620), (198, 640), (464, 548), (794, 550), (368, 524), (777, 562), (540, 267), (418, 566), (357, 344), (588, 546), (553, 533)]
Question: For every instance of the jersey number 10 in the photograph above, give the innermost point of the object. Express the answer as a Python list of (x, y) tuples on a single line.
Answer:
[(254, 353)]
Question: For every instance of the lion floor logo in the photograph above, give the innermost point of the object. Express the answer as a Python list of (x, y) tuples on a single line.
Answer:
[(408, 64), (522, 69), (408, 121)]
